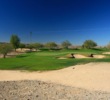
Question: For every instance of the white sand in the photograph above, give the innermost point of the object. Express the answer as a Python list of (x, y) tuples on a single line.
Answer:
[(92, 76)]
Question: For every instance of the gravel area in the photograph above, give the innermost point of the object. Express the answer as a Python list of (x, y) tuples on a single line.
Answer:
[(39, 90)]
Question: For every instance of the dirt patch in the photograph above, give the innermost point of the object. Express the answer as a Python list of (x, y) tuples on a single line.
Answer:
[(39, 90)]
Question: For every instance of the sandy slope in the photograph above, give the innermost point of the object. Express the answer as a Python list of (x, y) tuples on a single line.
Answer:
[(93, 76)]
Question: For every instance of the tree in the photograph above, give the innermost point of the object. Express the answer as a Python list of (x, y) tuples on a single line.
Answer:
[(51, 45), (4, 49), (21, 45), (30, 46), (38, 45), (15, 41), (89, 44), (66, 44)]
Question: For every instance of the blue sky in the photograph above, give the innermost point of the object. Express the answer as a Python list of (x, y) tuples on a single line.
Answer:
[(56, 20)]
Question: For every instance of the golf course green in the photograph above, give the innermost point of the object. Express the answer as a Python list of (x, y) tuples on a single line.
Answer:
[(48, 60)]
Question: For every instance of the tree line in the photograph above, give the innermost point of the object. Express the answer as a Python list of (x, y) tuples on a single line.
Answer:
[(16, 43)]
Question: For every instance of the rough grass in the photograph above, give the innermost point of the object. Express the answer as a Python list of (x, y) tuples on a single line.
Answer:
[(47, 60)]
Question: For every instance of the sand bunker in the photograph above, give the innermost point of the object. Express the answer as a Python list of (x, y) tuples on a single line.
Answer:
[(94, 56), (98, 56), (81, 56), (62, 58), (76, 56), (92, 76), (106, 53)]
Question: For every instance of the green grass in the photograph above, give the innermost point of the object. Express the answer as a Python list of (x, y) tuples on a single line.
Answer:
[(47, 60)]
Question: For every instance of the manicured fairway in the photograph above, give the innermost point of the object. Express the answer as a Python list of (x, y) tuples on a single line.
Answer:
[(47, 60)]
